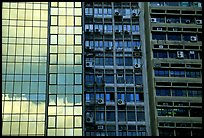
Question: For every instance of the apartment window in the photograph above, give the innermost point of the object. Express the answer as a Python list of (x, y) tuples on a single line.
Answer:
[(127, 44), (177, 73), (118, 28), (196, 112), (89, 27), (174, 37), (98, 27), (98, 12), (193, 74), (126, 28), (109, 61), (107, 28), (136, 43), (131, 116), (109, 78), (157, 3), (181, 112), (120, 78), (161, 72), (128, 61), (107, 11), (163, 92), (182, 132), (140, 116), (121, 116), (127, 12), (179, 92), (166, 132), (130, 97), (138, 80), (99, 44), (119, 61), (129, 79), (108, 43), (110, 115), (194, 93), (89, 97), (135, 28), (110, 97), (100, 116), (99, 61), (164, 112), (119, 44), (159, 54), (89, 79), (158, 36), (88, 11)]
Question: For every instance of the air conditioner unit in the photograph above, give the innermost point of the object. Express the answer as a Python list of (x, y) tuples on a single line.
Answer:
[(161, 46), (109, 48), (165, 104), (137, 54), (137, 65), (134, 14), (157, 65), (191, 52), (89, 119), (188, 21), (117, 13), (100, 127), (100, 101), (193, 38), (159, 29), (180, 54), (97, 30), (198, 21), (153, 20), (89, 64), (117, 31), (168, 21), (126, 32), (136, 48), (121, 102), (87, 30)]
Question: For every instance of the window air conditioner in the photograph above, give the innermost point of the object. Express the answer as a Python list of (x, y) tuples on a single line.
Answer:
[(121, 102), (157, 65), (89, 64), (161, 46), (100, 127), (180, 54), (89, 118), (97, 30), (193, 38), (153, 20), (191, 52), (188, 21), (159, 29), (87, 30), (100, 101), (168, 21), (198, 21), (137, 54), (137, 65), (136, 48), (117, 13), (109, 48)]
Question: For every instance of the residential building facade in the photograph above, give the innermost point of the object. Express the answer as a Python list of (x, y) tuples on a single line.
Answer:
[(101, 68)]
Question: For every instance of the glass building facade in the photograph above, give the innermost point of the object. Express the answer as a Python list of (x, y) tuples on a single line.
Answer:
[(102, 69), (42, 68)]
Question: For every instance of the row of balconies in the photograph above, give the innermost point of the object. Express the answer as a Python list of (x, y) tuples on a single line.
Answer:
[(176, 29), (188, 21)]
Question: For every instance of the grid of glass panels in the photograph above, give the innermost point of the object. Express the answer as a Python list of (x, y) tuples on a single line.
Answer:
[(24, 56), (65, 70)]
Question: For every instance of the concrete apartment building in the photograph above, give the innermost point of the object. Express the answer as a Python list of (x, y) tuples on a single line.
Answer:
[(101, 68)]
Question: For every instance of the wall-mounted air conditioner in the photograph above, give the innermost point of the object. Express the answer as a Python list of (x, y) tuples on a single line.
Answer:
[(136, 48), (87, 30), (153, 20), (100, 101), (161, 46), (137, 54), (121, 102), (192, 52), (100, 127), (188, 21), (198, 21), (157, 65), (109, 48), (89, 118), (137, 65), (117, 13), (193, 38), (97, 30), (159, 29), (89, 64), (168, 21), (180, 54)]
